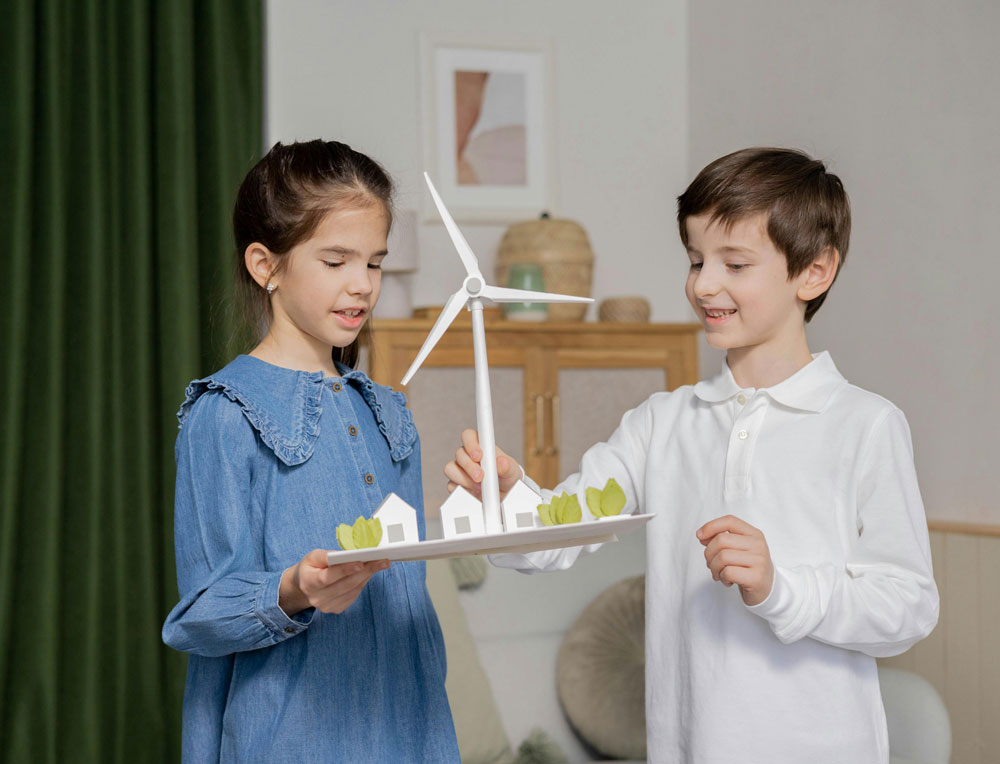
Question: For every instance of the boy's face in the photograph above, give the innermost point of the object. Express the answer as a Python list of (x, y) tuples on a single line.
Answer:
[(738, 286)]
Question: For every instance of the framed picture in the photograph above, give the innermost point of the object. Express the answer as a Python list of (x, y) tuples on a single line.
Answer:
[(488, 130)]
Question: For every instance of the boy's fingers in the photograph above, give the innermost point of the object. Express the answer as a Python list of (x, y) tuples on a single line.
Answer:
[(470, 441), (457, 476), (729, 523), (465, 461), (729, 558), (727, 541)]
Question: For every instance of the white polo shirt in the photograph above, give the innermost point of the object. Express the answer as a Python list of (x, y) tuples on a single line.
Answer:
[(825, 470)]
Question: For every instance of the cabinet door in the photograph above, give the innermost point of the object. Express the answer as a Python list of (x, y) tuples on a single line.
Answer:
[(590, 392)]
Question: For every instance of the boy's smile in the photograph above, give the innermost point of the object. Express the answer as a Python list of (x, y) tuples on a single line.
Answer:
[(739, 288)]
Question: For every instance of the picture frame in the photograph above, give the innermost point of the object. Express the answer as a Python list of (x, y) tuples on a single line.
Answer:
[(488, 126)]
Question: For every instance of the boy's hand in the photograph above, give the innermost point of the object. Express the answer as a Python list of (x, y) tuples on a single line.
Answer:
[(737, 553), (329, 589), (465, 471)]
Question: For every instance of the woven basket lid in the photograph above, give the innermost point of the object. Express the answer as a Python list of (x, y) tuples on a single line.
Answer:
[(547, 238)]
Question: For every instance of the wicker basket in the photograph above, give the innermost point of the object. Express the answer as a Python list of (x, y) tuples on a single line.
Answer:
[(563, 250), (632, 309)]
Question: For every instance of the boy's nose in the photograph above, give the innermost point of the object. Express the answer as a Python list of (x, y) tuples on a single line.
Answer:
[(705, 285)]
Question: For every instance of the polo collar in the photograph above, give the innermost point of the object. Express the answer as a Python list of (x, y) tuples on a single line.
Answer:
[(285, 406), (808, 389)]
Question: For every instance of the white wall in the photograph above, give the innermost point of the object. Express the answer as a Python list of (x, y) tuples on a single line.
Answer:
[(351, 71), (902, 99)]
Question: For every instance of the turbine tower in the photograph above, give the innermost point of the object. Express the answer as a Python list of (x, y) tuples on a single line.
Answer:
[(473, 292)]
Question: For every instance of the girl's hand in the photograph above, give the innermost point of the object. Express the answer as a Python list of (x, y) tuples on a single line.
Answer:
[(329, 589), (737, 553), (465, 470)]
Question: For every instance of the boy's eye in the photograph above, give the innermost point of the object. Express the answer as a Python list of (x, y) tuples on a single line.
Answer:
[(696, 266), (375, 266), (737, 266)]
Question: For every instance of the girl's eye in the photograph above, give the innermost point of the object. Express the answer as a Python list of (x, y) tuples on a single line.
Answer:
[(330, 264), (375, 266), (696, 266), (737, 266)]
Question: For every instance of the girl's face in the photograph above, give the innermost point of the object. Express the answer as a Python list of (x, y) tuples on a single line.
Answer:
[(331, 281)]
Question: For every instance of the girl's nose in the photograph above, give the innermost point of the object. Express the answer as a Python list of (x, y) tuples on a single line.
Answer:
[(361, 280)]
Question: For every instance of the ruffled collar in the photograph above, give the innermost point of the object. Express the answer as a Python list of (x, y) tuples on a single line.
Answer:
[(285, 406)]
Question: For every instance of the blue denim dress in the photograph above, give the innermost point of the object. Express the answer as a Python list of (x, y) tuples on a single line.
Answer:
[(269, 462)]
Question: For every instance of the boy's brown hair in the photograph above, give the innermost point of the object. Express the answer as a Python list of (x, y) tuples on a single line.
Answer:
[(807, 208)]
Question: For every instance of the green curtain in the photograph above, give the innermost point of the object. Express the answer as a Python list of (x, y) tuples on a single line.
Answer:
[(126, 126)]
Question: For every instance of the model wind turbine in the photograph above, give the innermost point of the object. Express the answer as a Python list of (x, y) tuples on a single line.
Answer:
[(473, 292)]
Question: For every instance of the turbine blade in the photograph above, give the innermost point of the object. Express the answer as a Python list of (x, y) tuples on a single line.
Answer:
[(504, 294), (464, 250), (451, 309)]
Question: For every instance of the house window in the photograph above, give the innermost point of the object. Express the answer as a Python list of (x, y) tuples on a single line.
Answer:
[(395, 533), (525, 519), (462, 525)]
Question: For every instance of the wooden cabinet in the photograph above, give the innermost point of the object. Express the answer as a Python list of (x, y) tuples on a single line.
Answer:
[(557, 388)]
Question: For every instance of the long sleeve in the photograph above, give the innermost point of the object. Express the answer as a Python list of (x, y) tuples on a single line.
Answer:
[(229, 602), (883, 599), (622, 457)]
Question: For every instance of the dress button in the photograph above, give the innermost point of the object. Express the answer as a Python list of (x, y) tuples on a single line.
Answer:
[(353, 430), (743, 435), (289, 630), (369, 478), (741, 399), (337, 387)]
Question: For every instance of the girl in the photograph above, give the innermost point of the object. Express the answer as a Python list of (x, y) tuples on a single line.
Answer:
[(292, 660)]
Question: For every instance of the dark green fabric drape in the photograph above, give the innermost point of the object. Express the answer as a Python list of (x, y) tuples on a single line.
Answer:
[(126, 127)]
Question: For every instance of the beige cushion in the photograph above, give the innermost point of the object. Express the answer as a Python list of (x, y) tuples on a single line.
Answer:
[(481, 736), (601, 671)]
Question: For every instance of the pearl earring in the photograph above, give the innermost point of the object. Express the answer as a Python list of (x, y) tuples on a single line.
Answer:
[(271, 288)]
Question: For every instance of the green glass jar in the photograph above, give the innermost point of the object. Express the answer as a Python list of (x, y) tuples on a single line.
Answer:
[(526, 276)]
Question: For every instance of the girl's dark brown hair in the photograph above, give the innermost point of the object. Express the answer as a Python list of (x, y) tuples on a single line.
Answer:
[(807, 208), (282, 201)]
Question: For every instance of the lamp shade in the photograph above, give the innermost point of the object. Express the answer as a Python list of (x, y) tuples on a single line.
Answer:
[(402, 244)]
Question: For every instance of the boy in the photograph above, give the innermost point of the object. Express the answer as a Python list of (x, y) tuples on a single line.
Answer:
[(777, 476)]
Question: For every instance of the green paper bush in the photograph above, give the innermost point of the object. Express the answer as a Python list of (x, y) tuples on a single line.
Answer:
[(607, 502), (364, 534), (561, 510)]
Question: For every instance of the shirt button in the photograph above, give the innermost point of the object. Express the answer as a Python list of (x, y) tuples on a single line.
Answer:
[(369, 478), (743, 434), (741, 399), (337, 387), (289, 630), (353, 430)]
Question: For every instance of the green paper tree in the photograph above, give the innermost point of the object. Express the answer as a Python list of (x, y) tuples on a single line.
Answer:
[(607, 502), (561, 510), (364, 534)]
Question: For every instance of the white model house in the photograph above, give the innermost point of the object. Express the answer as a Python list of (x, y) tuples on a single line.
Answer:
[(462, 515), (399, 521), (520, 508)]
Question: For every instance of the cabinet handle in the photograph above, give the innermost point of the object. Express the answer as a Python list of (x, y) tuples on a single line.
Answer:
[(539, 425), (555, 423)]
